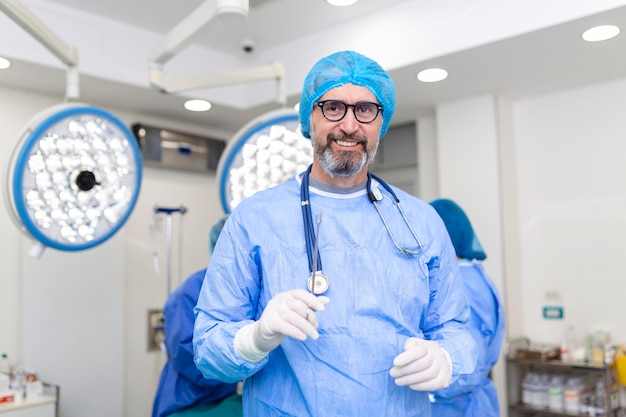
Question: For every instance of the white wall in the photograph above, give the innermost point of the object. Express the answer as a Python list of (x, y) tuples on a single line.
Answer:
[(543, 181), (572, 170), (80, 319)]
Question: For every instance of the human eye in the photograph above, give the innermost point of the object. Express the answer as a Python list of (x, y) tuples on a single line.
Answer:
[(366, 109), (334, 108)]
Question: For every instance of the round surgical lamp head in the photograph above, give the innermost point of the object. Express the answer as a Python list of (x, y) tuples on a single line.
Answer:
[(74, 177), (265, 152)]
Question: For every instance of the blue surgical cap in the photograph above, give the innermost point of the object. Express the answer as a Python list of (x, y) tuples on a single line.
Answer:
[(346, 67), (460, 229), (215, 233)]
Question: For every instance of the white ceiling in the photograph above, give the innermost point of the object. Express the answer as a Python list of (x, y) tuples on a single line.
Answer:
[(487, 48)]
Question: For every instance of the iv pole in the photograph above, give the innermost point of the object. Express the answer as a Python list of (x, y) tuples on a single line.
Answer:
[(169, 211)]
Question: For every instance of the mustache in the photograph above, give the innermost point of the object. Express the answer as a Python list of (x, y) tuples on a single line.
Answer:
[(353, 138)]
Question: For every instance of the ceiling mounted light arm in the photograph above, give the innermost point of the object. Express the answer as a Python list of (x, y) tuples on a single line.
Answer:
[(185, 32), (191, 27), (67, 54), (175, 84), (30, 23)]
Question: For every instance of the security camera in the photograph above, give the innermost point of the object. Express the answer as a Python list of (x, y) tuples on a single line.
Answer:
[(248, 45)]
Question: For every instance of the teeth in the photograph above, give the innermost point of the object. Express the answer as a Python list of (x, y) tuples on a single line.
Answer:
[(346, 143)]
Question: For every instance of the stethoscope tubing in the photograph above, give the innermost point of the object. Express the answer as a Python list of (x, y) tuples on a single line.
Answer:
[(314, 259)]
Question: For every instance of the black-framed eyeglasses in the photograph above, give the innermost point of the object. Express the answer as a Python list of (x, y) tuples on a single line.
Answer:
[(335, 110)]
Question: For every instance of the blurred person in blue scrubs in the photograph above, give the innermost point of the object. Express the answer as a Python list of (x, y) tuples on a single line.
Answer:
[(309, 299), (183, 391), (473, 395)]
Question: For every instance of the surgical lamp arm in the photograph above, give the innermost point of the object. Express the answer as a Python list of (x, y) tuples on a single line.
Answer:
[(172, 84), (31, 24), (187, 31)]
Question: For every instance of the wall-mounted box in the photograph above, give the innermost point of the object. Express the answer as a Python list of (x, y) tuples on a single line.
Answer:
[(166, 148)]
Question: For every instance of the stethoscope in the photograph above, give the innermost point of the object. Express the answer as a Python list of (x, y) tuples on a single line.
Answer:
[(318, 283)]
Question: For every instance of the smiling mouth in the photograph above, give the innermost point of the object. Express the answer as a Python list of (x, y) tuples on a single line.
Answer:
[(346, 143)]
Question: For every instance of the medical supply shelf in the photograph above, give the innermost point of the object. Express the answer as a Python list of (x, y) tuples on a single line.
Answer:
[(45, 406), (518, 368)]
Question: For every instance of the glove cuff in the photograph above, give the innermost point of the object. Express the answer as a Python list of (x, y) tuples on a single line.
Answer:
[(449, 362), (245, 343)]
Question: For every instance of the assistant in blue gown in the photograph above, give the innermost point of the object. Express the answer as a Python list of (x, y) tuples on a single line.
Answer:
[(473, 395), (183, 390)]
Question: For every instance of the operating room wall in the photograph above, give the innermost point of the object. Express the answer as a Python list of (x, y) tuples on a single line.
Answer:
[(572, 159), (80, 319), (542, 180)]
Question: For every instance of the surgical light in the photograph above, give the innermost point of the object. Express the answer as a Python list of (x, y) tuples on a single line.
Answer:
[(264, 153), (4, 63), (74, 177)]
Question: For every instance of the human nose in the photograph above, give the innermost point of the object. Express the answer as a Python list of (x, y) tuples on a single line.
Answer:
[(349, 123)]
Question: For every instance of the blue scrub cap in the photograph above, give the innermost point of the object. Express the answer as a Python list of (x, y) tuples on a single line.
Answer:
[(347, 67), (460, 229), (215, 233)]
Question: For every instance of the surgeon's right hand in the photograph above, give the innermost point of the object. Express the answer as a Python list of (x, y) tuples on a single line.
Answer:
[(290, 313)]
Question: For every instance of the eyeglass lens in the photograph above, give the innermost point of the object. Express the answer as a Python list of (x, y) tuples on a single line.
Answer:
[(364, 111)]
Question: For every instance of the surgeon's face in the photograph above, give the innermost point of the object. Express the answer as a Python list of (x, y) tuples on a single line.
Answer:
[(343, 148)]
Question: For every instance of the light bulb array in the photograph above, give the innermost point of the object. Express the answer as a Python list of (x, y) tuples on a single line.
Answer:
[(265, 155), (76, 178)]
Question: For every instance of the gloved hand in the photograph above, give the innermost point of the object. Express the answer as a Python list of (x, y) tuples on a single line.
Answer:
[(290, 313), (423, 366)]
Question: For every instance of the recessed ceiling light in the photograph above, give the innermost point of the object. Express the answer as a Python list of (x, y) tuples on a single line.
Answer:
[(432, 75), (341, 2), (197, 105), (600, 33), (4, 63)]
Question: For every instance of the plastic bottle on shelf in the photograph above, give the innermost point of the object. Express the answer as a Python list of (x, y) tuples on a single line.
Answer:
[(528, 388), (5, 365), (555, 393), (565, 352), (614, 393), (543, 387), (600, 399), (534, 396), (588, 400), (571, 344), (5, 375), (572, 395)]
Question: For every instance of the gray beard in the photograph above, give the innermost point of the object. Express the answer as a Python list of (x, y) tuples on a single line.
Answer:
[(344, 164)]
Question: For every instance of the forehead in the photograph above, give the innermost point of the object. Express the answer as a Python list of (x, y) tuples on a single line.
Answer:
[(349, 93)]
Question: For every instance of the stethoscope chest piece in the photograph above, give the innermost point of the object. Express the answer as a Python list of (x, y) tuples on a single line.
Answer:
[(318, 283)]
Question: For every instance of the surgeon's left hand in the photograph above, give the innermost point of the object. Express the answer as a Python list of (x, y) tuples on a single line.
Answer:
[(423, 366)]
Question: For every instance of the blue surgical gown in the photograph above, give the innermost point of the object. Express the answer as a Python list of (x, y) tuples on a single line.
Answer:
[(181, 384), (378, 298), (475, 395)]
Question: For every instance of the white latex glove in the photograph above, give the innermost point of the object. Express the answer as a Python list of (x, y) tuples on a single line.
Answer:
[(423, 366), (290, 313)]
